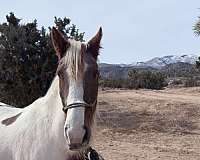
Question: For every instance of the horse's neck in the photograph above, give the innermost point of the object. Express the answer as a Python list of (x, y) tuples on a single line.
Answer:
[(53, 92), (51, 102), (47, 111), (52, 98), (49, 107)]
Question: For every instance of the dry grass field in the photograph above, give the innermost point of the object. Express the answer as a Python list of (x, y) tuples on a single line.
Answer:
[(149, 125)]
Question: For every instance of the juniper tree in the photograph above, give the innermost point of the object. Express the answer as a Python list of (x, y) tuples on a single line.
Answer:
[(197, 32), (28, 62)]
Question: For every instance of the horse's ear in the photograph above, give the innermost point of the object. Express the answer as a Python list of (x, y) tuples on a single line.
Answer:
[(60, 43), (94, 43)]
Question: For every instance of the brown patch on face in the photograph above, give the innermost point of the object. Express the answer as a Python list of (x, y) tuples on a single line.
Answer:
[(10, 120), (90, 85), (63, 82), (83, 48), (91, 76)]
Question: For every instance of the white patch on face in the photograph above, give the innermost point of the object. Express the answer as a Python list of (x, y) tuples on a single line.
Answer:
[(75, 94), (75, 116)]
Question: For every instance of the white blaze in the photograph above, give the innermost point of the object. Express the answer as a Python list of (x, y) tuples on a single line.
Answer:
[(75, 116), (74, 124)]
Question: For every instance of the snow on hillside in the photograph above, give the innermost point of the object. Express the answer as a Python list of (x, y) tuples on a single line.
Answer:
[(159, 62)]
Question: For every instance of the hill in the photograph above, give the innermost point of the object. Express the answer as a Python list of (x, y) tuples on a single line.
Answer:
[(172, 65)]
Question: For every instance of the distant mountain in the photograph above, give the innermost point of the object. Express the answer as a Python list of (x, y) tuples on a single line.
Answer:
[(159, 62), (167, 64)]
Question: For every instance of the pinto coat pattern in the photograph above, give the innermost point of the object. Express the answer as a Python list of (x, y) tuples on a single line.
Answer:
[(42, 131)]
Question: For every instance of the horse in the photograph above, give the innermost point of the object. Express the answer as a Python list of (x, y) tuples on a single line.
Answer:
[(59, 125)]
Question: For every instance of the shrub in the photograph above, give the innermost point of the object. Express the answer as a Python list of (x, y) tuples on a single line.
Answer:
[(113, 83), (137, 79), (191, 82), (28, 62), (146, 79)]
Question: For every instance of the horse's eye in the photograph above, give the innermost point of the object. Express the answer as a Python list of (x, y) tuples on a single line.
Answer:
[(60, 73), (95, 74)]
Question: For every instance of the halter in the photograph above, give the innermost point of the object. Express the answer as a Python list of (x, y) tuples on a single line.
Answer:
[(76, 105), (92, 154)]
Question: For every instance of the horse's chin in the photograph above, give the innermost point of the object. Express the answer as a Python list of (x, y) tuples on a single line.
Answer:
[(78, 147)]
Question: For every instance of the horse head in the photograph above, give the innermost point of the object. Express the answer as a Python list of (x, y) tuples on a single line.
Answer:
[(78, 85)]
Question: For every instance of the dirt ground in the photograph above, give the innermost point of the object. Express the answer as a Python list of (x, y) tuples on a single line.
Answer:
[(149, 125)]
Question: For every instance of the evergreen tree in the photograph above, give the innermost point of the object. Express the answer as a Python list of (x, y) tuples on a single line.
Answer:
[(28, 62), (197, 32)]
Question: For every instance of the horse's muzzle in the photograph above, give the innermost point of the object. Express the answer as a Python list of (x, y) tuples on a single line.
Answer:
[(75, 145)]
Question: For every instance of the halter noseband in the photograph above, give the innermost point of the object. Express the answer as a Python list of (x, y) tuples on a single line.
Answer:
[(76, 105)]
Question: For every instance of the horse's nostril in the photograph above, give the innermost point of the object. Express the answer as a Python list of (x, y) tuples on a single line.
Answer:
[(87, 135)]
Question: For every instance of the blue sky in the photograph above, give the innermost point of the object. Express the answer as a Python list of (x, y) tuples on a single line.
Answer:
[(134, 30)]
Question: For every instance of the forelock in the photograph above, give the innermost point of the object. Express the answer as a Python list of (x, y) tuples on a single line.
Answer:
[(73, 59)]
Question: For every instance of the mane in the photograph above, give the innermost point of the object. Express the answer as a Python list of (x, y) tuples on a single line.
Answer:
[(73, 58), (53, 89), (72, 61)]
